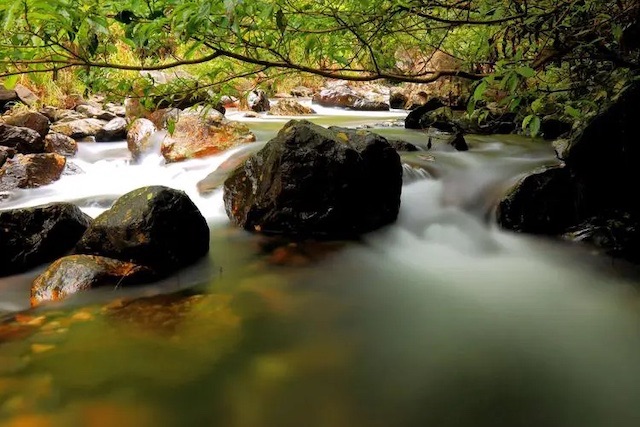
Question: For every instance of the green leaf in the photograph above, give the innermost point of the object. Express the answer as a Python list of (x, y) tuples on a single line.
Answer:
[(532, 124), (526, 72), (573, 112), (171, 126), (10, 82), (479, 91), (471, 106), (281, 21), (266, 12), (537, 105)]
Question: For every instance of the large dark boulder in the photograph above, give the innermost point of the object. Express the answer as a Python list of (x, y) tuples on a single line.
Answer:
[(589, 198), (156, 226), (458, 142), (32, 236), (312, 181), (617, 233), (24, 140), (541, 203), (77, 273), (397, 144), (402, 145), (604, 154), (553, 127), (216, 178)]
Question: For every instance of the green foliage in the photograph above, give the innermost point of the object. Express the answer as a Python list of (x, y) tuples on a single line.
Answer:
[(531, 124), (523, 51)]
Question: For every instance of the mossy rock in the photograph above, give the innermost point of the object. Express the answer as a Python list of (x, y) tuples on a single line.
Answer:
[(312, 181), (155, 226)]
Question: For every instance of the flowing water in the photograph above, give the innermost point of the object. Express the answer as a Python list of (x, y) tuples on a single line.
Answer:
[(437, 320)]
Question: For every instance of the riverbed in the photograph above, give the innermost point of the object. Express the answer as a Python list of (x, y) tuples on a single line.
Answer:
[(440, 319)]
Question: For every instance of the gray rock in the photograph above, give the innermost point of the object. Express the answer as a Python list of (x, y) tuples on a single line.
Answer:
[(79, 128), (345, 97), (138, 138), (115, 130), (26, 95), (95, 112)]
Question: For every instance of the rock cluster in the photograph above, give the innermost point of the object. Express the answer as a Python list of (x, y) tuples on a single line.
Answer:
[(587, 198), (147, 234)]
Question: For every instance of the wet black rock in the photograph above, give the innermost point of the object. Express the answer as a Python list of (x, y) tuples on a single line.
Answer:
[(541, 203), (156, 226), (458, 142), (312, 181), (617, 233), (552, 127), (415, 119), (397, 144), (32, 236), (590, 197), (401, 145)]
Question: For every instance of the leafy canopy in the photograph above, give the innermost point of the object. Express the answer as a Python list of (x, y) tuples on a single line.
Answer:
[(515, 46)]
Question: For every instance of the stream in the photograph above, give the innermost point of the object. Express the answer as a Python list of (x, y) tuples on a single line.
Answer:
[(440, 319)]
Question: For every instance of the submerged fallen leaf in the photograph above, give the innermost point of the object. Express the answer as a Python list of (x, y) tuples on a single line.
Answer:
[(41, 348), (82, 315)]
